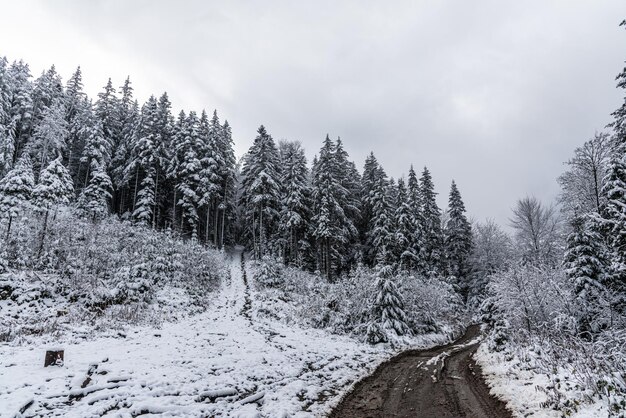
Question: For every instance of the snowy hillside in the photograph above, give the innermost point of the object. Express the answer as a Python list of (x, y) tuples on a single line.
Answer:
[(225, 362)]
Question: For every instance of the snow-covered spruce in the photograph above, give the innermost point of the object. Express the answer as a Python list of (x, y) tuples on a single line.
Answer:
[(388, 319)]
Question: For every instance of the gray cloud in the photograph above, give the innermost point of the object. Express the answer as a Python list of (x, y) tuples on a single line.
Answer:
[(495, 94)]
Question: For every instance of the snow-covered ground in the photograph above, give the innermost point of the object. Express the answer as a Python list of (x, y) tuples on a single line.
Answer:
[(519, 388), (224, 362)]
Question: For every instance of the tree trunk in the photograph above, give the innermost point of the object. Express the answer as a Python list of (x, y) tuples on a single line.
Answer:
[(44, 156), (9, 226), (254, 236), (261, 232), (43, 233), (215, 218), (69, 161), (206, 226), (87, 176), (121, 202), (174, 210), (327, 260), (135, 191), (156, 191), (223, 221), (596, 189), (294, 249)]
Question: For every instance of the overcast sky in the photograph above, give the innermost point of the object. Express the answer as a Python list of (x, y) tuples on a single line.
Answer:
[(494, 94)]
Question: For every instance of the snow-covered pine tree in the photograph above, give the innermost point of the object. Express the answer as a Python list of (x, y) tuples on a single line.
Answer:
[(173, 166), (614, 220), (585, 265), (350, 179), (350, 201), (388, 318), (93, 201), (77, 106), (261, 191), (7, 148), (145, 161), (614, 210), (381, 232), (405, 248), (48, 141), (96, 147), (331, 226), (21, 105), (15, 190), (392, 195), (74, 94), (188, 182), (227, 177), (458, 241), (413, 196), (619, 115), (371, 172), (431, 226), (7, 139), (295, 213), (55, 187), (164, 152), (122, 167), (47, 89), (106, 109), (128, 118), (210, 163)]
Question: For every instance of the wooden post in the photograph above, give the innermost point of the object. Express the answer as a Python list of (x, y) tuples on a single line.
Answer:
[(54, 358)]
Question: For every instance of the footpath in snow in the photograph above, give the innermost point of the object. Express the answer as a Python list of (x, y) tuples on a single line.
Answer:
[(223, 362)]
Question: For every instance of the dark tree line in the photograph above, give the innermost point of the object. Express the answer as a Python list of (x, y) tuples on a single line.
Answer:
[(331, 217), (138, 162), (142, 163)]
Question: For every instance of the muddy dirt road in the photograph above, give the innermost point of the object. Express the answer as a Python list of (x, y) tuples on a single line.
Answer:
[(443, 382)]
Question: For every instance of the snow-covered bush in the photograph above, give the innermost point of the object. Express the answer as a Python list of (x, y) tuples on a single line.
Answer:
[(105, 274), (535, 319), (268, 272), (30, 305), (534, 300), (432, 305), (344, 306)]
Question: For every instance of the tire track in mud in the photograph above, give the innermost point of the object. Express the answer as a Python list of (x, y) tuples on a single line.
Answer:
[(443, 382)]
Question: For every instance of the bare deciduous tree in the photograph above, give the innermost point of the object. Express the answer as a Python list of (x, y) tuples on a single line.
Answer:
[(537, 231), (492, 251), (582, 183)]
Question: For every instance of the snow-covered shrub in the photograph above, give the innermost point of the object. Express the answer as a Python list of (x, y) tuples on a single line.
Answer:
[(595, 368), (29, 305), (133, 284), (533, 300), (105, 274), (432, 305), (344, 306), (535, 318), (268, 272)]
